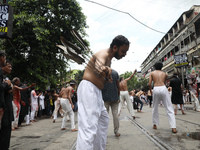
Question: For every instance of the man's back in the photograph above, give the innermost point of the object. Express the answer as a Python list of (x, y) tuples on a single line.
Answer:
[(123, 85), (158, 77)]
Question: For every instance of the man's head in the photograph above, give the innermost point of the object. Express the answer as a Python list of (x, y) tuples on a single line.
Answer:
[(7, 68), (158, 65), (16, 81), (72, 83), (121, 79), (120, 46), (2, 58)]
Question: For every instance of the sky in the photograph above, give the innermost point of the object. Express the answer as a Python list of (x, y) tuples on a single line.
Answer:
[(104, 24)]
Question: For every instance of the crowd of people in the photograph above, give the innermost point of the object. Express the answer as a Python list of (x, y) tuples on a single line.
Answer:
[(22, 103), (100, 89)]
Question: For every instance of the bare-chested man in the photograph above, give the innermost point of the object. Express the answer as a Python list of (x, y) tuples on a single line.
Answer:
[(92, 115), (67, 105), (160, 92), (124, 95)]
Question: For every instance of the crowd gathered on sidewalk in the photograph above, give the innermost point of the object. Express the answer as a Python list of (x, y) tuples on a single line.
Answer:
[(23, 103)]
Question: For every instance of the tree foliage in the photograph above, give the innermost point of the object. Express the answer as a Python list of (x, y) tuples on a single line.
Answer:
[(135, 82), (37, 27)]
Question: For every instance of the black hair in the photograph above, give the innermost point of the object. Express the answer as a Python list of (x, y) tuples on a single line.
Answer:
[(119, 41), (120, 79), (158, 65)]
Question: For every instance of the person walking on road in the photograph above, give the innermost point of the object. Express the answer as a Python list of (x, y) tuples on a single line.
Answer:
[(110, 94), (67, 105), (124, 95), (160, 93), (177, 96), (93, 118)]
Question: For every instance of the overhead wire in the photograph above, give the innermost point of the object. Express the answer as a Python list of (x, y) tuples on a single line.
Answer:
[(127, 14)]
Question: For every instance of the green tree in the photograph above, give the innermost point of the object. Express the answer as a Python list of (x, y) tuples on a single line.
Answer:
[(37, 27), (79, 76), (135, 82)]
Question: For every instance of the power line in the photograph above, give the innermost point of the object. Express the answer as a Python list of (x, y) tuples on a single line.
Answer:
[(127, 14)]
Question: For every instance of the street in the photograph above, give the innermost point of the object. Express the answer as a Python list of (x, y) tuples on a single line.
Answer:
[(137, 134)]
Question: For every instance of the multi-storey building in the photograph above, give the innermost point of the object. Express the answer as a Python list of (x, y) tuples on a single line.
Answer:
[(182, 37)]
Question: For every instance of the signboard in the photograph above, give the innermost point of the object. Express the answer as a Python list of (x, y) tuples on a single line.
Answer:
[(6, 21), (180, 60)]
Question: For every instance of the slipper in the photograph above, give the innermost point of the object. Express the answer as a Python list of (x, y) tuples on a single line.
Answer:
[(117, 135), (134, 117)]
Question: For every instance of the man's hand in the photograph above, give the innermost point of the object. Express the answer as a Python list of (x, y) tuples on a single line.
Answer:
[(135, 71), (23, 103), (33, 84), (8, 82)]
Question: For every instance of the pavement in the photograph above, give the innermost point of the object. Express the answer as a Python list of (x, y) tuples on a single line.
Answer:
[(137, 134)]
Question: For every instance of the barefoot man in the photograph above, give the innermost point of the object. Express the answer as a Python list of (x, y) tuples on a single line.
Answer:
[(92, 115), (67, 105), (124, 95), (160, 92)]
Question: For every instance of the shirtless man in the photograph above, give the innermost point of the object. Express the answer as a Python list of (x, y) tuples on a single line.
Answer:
[(67, 105), (160, 92), (124, 95), (138, 100), (92, 115)]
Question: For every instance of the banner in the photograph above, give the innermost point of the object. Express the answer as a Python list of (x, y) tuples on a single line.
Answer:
[(180, 60), (6, 21)]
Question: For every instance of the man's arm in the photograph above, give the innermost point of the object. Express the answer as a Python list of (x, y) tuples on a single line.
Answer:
[(150, 81), (131, 75), (69, 97)]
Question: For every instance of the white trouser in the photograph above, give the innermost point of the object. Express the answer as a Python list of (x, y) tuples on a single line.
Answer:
[(57, 107), (93, 118), (27, 117), (34, 108), (160, 93), (67, 108), (124, 95), (196, 101), (16, 111)]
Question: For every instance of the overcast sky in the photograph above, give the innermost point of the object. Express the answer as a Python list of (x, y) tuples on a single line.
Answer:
[(104, 24)]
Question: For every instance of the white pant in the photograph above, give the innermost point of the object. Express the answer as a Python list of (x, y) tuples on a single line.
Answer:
[(124, 95), (160, 93), (196, 101), (34, 108), (93, 118), (57, 107), (67, 108), (16, 111)]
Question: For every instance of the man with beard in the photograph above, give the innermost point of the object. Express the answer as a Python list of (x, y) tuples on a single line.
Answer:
[(92, 115)]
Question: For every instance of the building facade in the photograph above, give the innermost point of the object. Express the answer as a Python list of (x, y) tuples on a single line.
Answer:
[(182, 38)]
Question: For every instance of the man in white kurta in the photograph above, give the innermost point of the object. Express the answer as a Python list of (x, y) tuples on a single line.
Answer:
[(34, 104)]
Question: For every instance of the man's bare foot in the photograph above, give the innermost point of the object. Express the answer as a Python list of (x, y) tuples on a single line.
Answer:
[(183, 113), (17, 128), (134, 117), (68, 120), (73, 130), (154, 127), (54, 121), (174, 130), (117, 135), (63, 128), (13, 129)]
